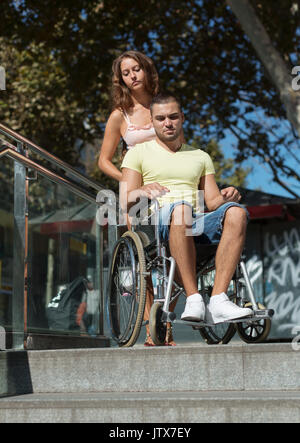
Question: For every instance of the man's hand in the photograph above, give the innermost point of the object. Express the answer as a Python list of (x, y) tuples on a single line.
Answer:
[(132, 189), (153, 190), (231, 194)]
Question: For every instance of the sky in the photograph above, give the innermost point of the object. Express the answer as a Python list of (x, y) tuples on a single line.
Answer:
[(260, 178), (280, 133)]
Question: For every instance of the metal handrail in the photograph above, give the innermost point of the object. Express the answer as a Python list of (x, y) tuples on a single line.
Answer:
[(50, 157), (28, 163)]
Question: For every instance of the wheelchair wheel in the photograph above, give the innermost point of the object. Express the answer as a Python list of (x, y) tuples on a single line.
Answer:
[(254, 332), (221, 333), (157, 328), (127, 289)]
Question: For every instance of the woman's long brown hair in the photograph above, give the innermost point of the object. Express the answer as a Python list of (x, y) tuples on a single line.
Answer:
[(121, 97)]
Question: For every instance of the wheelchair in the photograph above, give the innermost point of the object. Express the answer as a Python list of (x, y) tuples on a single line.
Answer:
[(140, 255)]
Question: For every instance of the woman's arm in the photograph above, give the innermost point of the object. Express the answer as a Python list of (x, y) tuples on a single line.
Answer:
[(110, 142)]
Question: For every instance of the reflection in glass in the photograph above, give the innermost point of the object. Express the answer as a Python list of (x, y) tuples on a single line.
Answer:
[(63, 285), (6, 241)]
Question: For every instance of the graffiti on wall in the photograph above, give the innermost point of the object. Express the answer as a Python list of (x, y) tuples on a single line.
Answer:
[(273, 264), (255, 270), (282, 278)]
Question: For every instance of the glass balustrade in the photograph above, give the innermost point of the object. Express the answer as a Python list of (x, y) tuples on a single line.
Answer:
[(54, 256), (63, 261), (6, 244)]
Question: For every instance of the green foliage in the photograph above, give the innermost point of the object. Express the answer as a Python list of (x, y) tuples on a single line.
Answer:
[(58, 56), (37, 102)]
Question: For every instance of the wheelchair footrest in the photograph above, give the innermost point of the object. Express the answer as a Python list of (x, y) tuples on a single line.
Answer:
[(264, 312), (261, 314)]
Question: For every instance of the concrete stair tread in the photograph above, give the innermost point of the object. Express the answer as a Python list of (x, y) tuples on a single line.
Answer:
[(198, 368), (151, 407), (182, 384)]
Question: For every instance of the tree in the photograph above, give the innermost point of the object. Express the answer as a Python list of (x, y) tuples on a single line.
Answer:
[(270, 57), (202, 54), (278, 72), (37, 102)]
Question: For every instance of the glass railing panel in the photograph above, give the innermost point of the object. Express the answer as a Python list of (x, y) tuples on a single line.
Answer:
[(6, 246), (58, 253), (64, 275)]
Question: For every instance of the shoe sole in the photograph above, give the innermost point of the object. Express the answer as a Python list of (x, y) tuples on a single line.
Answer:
[(216, 321), (197, 319)]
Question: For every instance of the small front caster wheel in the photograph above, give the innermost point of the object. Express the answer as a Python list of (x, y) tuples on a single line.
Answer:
[(254, 331)]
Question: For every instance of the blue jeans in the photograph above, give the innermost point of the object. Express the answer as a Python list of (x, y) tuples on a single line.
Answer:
[(206, 228)]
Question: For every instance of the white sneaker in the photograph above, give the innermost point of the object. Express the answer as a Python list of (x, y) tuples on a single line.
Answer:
[(194, 308), (221, 309)]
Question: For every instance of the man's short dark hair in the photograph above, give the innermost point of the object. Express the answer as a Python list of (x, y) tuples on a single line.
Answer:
[(164, 97)]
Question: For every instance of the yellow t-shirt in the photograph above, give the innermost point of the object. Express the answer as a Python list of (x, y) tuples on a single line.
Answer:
[(180, 171)]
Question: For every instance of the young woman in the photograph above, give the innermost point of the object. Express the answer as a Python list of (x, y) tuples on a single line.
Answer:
[(134, 83)]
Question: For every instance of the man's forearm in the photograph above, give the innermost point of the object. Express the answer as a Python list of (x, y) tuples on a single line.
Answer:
[(214, 204), (128, 198), (133, 197), (226, 195)]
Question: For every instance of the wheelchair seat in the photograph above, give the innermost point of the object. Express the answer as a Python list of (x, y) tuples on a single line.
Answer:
[(205, 251)]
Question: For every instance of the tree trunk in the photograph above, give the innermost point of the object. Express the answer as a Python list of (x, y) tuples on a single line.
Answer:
[(270, 57)]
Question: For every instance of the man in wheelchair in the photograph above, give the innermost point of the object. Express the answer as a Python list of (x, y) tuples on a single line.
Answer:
[(172, 173)]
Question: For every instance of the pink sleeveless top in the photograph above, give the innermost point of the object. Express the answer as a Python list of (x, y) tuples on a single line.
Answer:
[(137, 134)]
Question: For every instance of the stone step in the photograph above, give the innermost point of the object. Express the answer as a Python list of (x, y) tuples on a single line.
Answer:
[(194, 368), (153, 407)]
